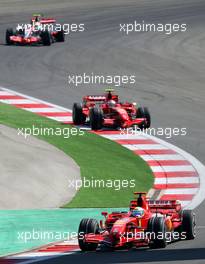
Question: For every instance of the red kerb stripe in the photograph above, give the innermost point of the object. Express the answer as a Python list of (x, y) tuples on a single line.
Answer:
[(168, 162), (135, 141), (182, 197)]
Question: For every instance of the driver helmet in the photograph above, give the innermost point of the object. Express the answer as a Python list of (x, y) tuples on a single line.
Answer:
[(111, 103), (37, 19), (37, 26), (138, 212), (20, 30)]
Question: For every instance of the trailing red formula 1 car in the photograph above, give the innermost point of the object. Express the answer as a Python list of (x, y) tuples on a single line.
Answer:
[(151, 223), (39, 31), (106, 111)]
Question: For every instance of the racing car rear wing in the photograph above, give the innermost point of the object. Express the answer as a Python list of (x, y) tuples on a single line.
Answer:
[(100, 98), (164, 204), (94, 98), (155, 205), (47, 21)]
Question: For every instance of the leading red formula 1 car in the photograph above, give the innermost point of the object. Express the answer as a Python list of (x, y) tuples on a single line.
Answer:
[(151, 223), (106, 111), (39, 31)]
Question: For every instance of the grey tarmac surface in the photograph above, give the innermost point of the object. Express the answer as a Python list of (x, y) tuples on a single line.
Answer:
[(169, 71), (34, 174)]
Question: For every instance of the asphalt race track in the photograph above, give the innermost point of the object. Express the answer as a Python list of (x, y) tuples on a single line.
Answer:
[(169, 71)]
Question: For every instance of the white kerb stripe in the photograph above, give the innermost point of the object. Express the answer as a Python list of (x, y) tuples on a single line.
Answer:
[(144, 147), (119, 137), (5, 93), (45, 110), (176, 180), (73, 241), (38, 254), (35, 99), (61, 118), (181, 191), (162, 157), (172, 168), (18, 101)]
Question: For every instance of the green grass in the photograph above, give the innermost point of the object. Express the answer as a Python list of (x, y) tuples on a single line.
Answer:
[(97, 157)]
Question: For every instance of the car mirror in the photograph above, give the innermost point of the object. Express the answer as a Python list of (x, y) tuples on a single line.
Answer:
[(104, 214)]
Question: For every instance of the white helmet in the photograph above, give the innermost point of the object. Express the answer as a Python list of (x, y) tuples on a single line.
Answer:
[(111, 103), (138, 212)]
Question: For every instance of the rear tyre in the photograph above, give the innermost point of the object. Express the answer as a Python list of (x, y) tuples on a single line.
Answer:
[(78, 116), (189, 224), (46, 38), (60, 37), (157, 228), (9, 33), (96, 118), (143, 112), (87, 226)]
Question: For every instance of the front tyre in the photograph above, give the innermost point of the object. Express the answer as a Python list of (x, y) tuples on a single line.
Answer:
[(78, 116), (143, 112), (9, 33), (189, 224), (60, 37), (87, 226), (96, 118), (157, 228), (46, 38)]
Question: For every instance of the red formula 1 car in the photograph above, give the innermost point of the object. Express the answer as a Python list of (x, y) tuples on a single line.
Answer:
[(39, 31), (106, 111), (151, 223)]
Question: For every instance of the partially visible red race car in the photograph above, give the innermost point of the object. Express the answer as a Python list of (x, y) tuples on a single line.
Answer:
[(39, 31), (106, 111), (151, 223)]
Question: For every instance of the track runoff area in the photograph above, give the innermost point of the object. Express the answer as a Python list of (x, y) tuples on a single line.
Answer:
[(178, 175)]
